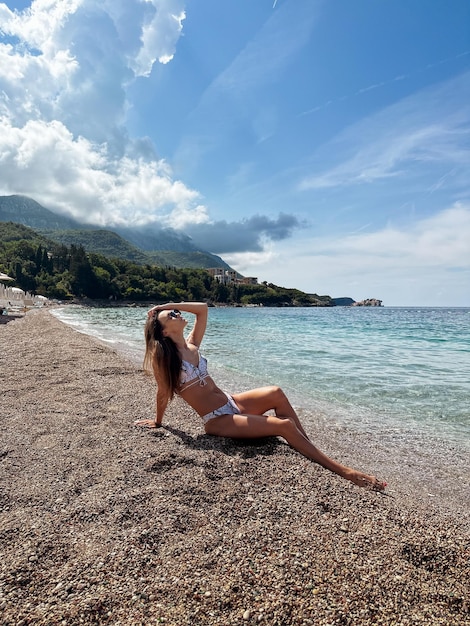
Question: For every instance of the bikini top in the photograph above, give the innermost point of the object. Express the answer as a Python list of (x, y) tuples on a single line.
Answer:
[(194, 374)]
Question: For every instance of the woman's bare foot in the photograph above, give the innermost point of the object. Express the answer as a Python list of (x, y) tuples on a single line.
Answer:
[(364, 480)]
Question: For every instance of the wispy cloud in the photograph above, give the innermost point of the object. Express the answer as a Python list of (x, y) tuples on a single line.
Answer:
[(383, 83), (430, 127), (269, 52), (442, 239), (240, 86)]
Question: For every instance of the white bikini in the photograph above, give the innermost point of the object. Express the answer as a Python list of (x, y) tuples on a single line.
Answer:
[(196, 375)]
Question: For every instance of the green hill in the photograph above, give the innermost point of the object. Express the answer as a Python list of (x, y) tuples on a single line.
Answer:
[(103, 242), (112, 245), (11, 232)]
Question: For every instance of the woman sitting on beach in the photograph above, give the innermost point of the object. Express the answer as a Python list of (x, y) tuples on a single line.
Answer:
[(179, 368)]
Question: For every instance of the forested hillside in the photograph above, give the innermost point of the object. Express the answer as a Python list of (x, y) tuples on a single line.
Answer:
[(44, 267), (110, 244)]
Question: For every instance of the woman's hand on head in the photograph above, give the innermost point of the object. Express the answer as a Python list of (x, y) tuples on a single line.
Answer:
[(162, 307), (154, 310), (147, 423)]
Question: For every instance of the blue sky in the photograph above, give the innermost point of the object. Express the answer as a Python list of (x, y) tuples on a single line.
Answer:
[(323, 145)]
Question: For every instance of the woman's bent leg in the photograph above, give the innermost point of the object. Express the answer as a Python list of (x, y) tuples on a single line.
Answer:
[(263, 399), (255, 426)]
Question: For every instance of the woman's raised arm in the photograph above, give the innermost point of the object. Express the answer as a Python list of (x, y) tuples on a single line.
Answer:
[(189, 307), (199, 309)]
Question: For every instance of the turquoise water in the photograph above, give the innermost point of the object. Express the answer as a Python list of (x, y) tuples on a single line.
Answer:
[(400, 370)]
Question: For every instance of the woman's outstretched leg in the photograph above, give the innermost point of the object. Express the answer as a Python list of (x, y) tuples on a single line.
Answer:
[(255, 426)]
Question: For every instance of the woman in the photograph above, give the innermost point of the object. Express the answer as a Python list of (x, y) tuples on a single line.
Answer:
[(179, 368)]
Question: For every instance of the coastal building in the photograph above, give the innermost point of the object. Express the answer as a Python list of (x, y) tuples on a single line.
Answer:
[(228, 277), (249, 280), (222, 275)]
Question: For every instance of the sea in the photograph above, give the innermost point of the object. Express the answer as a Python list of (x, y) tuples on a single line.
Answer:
[(399, 373)]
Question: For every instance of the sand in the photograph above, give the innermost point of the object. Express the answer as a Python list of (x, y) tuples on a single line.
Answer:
[(105, 523)]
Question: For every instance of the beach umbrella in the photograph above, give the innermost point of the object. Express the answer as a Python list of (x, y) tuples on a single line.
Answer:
[(5, 276)]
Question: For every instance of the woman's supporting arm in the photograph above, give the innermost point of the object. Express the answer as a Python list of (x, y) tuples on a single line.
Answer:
[(162, 403), (162, 399)]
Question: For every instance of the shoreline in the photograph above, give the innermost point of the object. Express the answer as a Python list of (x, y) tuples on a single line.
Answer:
[(104, 523), (422, 463)]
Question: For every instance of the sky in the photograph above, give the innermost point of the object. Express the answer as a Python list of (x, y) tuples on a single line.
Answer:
[(316, 144)]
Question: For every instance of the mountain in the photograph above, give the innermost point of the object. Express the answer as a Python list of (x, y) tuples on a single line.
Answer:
[(23, 210), (142, 245)]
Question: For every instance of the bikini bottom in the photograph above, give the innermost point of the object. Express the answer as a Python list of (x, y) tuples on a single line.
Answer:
[(230, 408)]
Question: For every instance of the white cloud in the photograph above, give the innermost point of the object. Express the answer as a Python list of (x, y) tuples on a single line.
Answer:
[(35, 71), (39, 25), (79, 178), (64, 69), (248, 262), (159, 35)]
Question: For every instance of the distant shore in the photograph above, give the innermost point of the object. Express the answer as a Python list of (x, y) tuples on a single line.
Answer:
[(104, 523), (150, 303)]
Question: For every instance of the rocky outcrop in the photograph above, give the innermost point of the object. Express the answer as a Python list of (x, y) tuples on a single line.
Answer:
[(343, 301), (368, 302)]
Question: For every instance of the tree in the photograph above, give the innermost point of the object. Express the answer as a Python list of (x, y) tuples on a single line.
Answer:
[(84, 281), (220, 292)]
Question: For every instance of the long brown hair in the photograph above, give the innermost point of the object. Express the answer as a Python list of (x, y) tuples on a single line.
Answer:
[(161, 355)]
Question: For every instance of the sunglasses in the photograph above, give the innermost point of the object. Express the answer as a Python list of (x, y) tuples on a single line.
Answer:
[(174, 314)]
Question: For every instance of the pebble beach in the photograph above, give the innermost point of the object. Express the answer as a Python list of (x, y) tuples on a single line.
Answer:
[(105, 523)]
